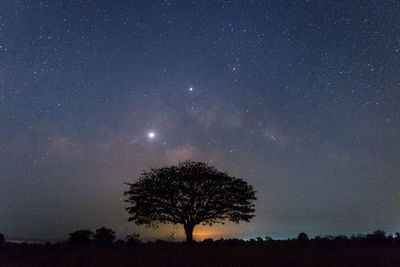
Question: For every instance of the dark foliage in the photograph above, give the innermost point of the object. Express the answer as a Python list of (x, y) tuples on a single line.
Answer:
[(2, 239), (80, 238), (190, 193), (132, 240), (119, 243), (302, 237), (360, 250), (104, 237)]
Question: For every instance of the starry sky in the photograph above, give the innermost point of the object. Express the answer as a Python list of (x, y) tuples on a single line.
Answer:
[(299, 98)]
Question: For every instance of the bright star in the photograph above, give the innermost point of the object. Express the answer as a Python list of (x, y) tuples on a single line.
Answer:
[(151, 135), (191, 89)]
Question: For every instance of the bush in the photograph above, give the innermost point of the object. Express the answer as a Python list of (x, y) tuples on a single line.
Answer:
[(80, 238), (104, 237)]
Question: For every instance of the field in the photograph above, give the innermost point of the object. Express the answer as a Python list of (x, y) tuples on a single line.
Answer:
[(366, 255)]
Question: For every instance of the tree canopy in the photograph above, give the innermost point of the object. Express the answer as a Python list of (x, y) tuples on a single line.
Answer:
[(189, 193)]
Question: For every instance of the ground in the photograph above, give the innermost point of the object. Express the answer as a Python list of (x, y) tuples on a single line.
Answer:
[(200, 256)]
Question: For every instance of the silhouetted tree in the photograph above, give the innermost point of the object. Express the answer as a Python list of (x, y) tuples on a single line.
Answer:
[(329, 237), (302, 237), (390, 239), (104, 237), (397, 238), (190, 193), (260, 240), (208, 242), (268, 240), (379, 235), (80, 238), (317, 238), (341, 238)]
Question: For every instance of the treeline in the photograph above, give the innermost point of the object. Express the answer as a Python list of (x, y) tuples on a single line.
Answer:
[(378, 237), (102, 237), (105, 237)]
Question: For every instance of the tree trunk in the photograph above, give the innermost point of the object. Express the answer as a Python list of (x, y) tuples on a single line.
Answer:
[(189, 233)]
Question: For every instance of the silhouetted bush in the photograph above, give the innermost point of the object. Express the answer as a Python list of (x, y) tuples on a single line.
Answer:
[(302, 237), (317, 238), (208, 242), (268, 239), (132, 240), (80, 238), (379, 236), (2, 239), (397, 238), (104, 237), (390, 239)]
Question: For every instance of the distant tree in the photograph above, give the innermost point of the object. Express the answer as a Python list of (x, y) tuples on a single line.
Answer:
[(358, 238), (252, 242), (132, 239), (80, 238), (318, 240), (268, 239), (329, 237), (208, 241), (379, 234), (190, 193), (259, 240), (104, 237), (302, 237), (341, 239), (2, 239), (397, 237)]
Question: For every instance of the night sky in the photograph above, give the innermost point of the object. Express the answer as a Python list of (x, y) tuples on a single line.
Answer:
[(299, 98)]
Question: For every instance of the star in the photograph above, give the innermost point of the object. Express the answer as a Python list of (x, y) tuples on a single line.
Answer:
[(191, 89), (151, 135)]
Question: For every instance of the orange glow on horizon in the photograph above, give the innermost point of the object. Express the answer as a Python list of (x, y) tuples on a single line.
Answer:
[(202, 234)]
